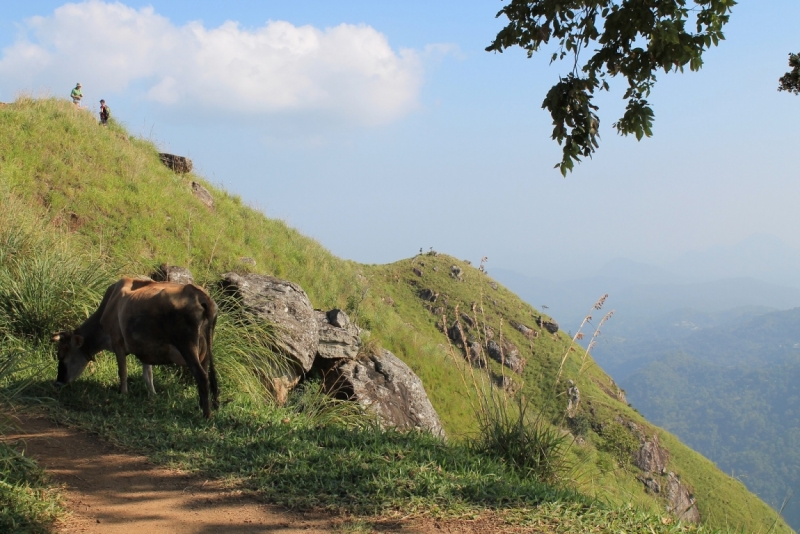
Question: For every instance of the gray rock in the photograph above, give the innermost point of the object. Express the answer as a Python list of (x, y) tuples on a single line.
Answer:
[(505, 383), (549, 325), (202, 194), (651, 485), (573, 399), (475, 354), (338, 337), (508, 355), (283, 304), (416, 271), (493, 285), (455, 332), (388, 387), (178, 164), (172, 273), (469, 322), (651, 457), (428, 295), (456, 272), (526, 331), (681, 502)]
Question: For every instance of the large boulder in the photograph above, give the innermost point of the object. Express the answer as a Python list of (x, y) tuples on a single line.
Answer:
[(172, 273), (338, 337), (283, 304), (178, 164), (388, 387)]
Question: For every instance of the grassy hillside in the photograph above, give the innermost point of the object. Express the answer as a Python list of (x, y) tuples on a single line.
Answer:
[(105, 198)]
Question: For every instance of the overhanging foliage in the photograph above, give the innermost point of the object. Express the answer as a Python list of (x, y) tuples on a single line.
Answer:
[(629, 38)]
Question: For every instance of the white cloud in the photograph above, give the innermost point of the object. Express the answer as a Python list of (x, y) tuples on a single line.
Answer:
[(348, 70)]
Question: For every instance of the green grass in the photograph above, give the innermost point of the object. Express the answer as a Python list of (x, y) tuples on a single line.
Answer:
[(105, 202), (27, 502)]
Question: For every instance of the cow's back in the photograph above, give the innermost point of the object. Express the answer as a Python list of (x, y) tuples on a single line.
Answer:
[(152, 318)]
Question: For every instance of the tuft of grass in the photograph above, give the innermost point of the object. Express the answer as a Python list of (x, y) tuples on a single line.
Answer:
[(43, 284), (527, 442)]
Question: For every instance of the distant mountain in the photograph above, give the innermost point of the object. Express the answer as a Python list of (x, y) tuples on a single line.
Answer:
[(759, 256), (640, 292)]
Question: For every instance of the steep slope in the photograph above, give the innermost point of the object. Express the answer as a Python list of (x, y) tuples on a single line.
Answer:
[(110, 190)]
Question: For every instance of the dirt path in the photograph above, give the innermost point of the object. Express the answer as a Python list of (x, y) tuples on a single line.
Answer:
[(108, 491)]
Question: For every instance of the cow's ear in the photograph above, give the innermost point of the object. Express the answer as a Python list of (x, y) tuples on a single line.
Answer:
[(58, 336), (76, 341)]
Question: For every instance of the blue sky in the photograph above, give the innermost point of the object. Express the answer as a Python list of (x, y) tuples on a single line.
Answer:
[(400, 132)]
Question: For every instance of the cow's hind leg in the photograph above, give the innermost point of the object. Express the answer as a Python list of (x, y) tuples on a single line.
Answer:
[(122, 370), (189, 354), (212, 378), (147, 375)]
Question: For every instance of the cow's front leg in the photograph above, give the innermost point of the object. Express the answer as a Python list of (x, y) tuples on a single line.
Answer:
[(147, 374), (122, 369)]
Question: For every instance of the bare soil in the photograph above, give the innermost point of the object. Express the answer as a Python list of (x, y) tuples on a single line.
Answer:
[(110, 491)]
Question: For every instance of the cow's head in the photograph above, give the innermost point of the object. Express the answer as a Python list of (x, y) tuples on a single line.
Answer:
[(72, 356)]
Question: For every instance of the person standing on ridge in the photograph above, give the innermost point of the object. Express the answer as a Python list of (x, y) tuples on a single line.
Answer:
[(76, 94), (105, 113)]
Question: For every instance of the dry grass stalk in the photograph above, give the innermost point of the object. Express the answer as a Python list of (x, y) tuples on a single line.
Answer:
[(597, 306)]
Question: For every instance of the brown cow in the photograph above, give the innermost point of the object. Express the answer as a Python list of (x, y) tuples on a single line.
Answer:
[(158, 322)]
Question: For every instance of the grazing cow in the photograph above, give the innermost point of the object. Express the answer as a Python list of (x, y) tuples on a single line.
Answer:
[(158, 322)]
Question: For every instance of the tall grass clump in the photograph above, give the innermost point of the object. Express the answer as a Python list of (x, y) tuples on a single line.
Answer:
[(522, 439), (33, 302), (312, 401), (244, 352), (510, 431), (44, 286)]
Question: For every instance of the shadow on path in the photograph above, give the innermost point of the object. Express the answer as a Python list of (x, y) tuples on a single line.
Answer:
[(108, 491)]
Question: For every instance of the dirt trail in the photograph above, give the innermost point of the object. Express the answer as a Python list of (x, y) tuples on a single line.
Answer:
[(108, 491)]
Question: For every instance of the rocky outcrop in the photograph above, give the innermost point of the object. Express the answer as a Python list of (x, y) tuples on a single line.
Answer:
[(178, 164), (339, 339), (457, 332), (283, 304), (573, 399), (428, 295), (172, 273), (549, 325), (388, 387), (475, 354), (202, 194), (526, 331), (456, 272), (651, 457), (508, 355), (682, 503)]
